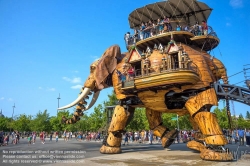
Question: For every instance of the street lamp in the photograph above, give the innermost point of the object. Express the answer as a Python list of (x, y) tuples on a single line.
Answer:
[(13, 110), (12, 113), (177, 119), (58, 101)]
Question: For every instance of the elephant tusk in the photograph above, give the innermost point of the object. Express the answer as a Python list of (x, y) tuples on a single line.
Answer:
[(94, 98), (79, 98)]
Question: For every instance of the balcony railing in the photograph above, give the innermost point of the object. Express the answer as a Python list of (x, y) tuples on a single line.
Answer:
[(141, 35)]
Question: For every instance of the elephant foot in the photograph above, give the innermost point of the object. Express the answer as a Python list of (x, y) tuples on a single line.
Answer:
[(110, 150), (194, 145), (169, 138), (211, 155)]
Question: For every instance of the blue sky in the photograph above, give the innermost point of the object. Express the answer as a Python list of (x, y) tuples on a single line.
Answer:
[(46, 47)]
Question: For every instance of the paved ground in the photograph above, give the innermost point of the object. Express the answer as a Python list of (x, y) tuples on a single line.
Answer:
[(87, 153)]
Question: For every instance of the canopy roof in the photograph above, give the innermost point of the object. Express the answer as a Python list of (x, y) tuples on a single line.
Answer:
[(183, 11)]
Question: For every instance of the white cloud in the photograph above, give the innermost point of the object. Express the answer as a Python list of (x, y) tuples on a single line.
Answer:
[(76, 87), (40, 87), (10, 99), (73, 80), (236, 3), (228, 24), (2, 98), (75, 71), (51, 89)]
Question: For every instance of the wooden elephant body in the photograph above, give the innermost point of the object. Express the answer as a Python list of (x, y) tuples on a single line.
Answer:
[(176, 80)]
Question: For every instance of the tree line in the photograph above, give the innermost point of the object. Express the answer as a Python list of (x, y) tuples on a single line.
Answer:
[(97, 120)]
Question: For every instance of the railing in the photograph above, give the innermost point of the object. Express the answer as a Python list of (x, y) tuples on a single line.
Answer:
[(138, 73), (133, 39)]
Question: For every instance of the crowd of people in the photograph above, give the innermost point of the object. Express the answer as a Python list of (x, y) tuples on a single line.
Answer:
[(89, 136), (144, 136), (147, 136), (13, 137), (162, 25), (10, 137), (236, 136)]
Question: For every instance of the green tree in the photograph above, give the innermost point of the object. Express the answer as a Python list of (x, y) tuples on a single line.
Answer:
[(5, 123), (184, 122), (112, 100), (55, 121), (139, 121), (22, 123), (222, 117), (248, 115), (41, 122), (83, 125), (241, 116), (96, 119)]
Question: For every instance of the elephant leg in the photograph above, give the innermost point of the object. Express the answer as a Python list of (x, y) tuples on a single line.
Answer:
[(214, 140), (120, 118), (198, 139), (155, 124)]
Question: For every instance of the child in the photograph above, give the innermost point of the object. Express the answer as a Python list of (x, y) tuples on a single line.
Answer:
[(5, 140), (29, 139), (56, 137)]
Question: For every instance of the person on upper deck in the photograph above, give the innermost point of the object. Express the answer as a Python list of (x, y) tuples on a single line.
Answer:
[(147, 30), (160, 25), (178, 27), (186, 28), (127, 38), (135, 36), (153, 29), (166, 21), (142, 31), (196, 28), (204, 27)]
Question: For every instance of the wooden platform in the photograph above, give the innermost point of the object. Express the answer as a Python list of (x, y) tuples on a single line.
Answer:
[(163, 78), (204, 42)]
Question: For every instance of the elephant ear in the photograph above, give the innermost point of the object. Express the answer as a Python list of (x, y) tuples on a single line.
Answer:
[(107, 65)]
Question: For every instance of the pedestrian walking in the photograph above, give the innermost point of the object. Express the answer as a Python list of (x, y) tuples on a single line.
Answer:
[(248, 137), (241, 134)]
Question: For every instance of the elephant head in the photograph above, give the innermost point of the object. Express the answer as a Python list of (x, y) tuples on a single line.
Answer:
[(99, 78)]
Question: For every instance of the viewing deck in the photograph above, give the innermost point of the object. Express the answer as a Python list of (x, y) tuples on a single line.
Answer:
[(204, 42), (162, 79)]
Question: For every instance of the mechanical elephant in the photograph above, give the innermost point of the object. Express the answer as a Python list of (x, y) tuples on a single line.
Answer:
[(184, 87)]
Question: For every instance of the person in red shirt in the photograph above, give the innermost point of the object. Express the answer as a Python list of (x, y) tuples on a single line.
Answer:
[(131, 72), (204, 27)]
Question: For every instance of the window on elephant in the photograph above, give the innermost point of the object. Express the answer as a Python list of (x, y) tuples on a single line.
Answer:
[(137, 68)]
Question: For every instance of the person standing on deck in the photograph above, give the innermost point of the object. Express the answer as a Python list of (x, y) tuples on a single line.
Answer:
[(204, 27)]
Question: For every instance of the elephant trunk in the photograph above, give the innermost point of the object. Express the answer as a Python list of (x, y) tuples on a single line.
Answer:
[(80, 101)]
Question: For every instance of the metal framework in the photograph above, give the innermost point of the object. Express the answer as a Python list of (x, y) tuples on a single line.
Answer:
[(232, 92)]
